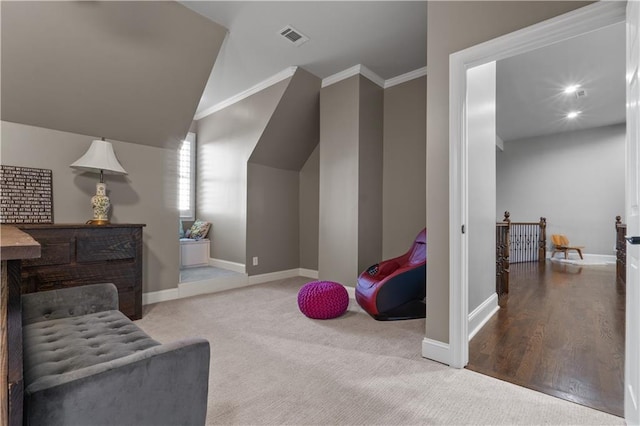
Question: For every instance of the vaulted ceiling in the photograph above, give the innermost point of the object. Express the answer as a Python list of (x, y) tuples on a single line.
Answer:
[(388, 37), (140, 71), (131, 71)]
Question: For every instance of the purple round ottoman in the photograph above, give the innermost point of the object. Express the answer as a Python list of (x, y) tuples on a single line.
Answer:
[(323, 299)]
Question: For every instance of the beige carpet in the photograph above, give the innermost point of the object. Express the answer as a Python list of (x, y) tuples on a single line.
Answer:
[(272, 365)]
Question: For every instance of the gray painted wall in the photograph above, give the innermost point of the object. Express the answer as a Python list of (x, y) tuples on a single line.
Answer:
[(338, 221), (146, 195), (481, 21), (404, 169), (403, 177), (370, 174), (226, 140), (273, 228), (481, 226), (350, 179), (132, 71), (574, 179), (273, 202), (310, 211), (276, 128), (293, 130)]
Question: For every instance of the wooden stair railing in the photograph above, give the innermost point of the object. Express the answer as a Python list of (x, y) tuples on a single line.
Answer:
[(621, 250), (528, 241), (502, 257), (518, 242)]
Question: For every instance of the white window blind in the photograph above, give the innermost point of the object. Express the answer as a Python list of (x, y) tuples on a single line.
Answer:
[(186, 177)]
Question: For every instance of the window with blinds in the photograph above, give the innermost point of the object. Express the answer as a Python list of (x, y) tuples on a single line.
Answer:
[(186, 177)]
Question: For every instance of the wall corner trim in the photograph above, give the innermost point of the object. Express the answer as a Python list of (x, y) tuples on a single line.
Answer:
[(309, 273), (436, 351), (350, 72), (411, 75), (366, 72), (342, 75), (160, 296), (375, 78), (351, 291), (480, 315), (276, 78)]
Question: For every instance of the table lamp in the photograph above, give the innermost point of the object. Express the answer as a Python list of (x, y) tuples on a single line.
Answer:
[(100, 158)]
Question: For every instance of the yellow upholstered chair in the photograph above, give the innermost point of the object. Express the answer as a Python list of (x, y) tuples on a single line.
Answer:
[(561, 244)]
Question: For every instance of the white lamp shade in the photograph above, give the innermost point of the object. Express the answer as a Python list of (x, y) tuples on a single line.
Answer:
[(100, 157)]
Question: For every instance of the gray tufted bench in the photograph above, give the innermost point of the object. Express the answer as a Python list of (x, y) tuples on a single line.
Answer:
[(86, 363)]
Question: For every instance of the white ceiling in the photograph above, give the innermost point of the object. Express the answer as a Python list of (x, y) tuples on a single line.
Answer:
[(530, 101), (388, 37)]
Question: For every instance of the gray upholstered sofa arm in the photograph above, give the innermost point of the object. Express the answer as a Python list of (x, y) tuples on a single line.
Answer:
[(68, 302), (162, 385)]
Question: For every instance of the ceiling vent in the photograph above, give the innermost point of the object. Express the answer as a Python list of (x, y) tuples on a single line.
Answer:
[(581, 93), (293, 35)]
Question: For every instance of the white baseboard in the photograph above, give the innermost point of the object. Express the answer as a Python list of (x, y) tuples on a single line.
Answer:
[(480, 315), (272, 276), (309, 273), (609, 258), (160, 296), (351, 291), (436, 351), (212, 286), (223, 283), (604, 257), (195, 288), (225, 264)]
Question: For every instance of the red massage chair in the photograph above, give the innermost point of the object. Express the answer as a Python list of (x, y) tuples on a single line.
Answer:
[(395, 289)]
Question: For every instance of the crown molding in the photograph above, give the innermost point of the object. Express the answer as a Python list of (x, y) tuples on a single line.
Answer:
[(366, 72), (372, 76), (342, 75), (332, 79), (276, 78), (350, 72), (420, 72)]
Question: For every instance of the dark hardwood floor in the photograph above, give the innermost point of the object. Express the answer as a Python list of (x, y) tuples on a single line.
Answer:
[(559, 331)]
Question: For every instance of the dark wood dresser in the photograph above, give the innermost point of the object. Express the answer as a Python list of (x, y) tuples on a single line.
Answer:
[(76, 255)]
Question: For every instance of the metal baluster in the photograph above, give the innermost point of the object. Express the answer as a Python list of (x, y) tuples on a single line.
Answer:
[(526, 258), (529, 245)]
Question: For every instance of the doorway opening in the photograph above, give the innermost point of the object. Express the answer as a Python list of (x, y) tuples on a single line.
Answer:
[(560, 329), (463, 301)]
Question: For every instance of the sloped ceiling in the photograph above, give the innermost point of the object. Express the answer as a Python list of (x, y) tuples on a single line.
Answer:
[(131, 71), (294, 128), (388, 37)]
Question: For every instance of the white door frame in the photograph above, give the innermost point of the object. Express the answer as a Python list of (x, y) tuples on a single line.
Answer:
[(577, 22), (632, 203)]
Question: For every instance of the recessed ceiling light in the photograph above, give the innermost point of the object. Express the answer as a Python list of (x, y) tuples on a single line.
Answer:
[(573, 114), (571, 89)]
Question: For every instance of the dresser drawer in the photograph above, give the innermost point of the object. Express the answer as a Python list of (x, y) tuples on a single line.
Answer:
[(104, 248), (77, 255), (55, 251)]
